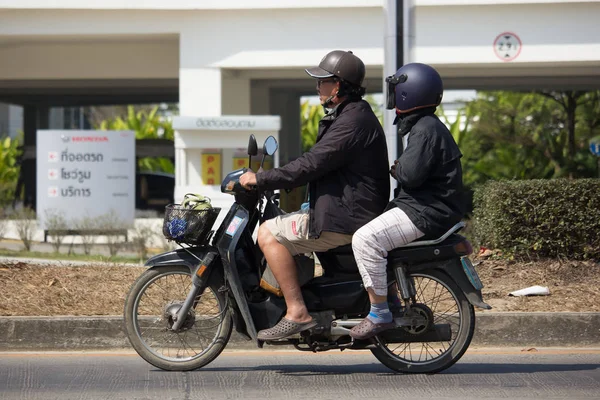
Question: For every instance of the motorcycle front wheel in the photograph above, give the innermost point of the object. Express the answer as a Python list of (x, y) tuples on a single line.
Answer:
[(440, 300), (149, 308)]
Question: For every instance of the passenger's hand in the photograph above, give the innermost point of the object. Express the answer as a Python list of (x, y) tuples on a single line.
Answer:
[(393, 169), (248, 179)]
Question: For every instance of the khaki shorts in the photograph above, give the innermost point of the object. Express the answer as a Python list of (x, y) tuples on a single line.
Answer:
[(291, 230)]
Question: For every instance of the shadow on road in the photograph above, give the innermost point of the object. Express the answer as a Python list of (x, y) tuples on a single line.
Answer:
[(375, 368), (511, 368)]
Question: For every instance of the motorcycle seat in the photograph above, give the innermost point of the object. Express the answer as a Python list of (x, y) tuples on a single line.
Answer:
[(423, 250), (448, 245)]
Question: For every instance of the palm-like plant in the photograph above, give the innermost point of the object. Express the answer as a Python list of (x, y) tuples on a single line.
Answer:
[(146, 125)]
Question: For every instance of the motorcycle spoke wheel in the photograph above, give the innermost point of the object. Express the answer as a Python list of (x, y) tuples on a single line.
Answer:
[(440, 298), (150, 307)]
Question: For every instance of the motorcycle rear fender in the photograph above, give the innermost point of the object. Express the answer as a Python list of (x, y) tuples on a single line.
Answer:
[(454, 270)]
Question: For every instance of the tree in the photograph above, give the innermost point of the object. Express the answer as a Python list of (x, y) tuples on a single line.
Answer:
[(310, 115), (147, 125), (10, 151), (531, 135)]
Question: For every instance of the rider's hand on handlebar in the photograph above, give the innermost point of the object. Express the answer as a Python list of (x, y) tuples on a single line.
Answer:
[(393, 169), (248, 180)]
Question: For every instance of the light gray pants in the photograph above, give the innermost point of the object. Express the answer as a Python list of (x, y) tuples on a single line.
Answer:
[(372, 242)]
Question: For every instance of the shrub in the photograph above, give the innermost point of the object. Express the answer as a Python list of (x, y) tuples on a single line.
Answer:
[(88, 229), (547, 218), (26, 225), (143, 235), (9, 169), (56, 224), (111, 225)]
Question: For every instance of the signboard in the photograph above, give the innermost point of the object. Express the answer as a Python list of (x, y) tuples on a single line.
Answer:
[(229, 123), (242, 162), (82, 173), (239, 162), (211, 168), (507, 46)]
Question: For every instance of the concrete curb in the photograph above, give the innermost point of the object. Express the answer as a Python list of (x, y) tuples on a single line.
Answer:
[(492, 330)]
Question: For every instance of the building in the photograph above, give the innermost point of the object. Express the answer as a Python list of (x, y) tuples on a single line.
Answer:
[(237, 57)]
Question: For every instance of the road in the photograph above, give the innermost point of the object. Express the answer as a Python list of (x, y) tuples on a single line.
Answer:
[(268, 374)]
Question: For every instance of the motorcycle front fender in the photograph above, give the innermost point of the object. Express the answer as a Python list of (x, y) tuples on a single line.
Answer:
[(179, 257), (191, 258)]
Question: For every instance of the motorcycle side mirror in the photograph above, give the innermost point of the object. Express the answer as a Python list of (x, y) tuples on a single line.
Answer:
[(252, 146), (270, 146)]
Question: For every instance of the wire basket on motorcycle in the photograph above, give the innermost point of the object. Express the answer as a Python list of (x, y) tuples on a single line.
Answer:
[(191, 221)]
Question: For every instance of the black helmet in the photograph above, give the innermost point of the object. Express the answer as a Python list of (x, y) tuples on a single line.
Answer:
[(342, 64), (414, 86)]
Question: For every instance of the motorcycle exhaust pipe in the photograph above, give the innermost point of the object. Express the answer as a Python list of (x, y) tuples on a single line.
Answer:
[(342, 327), (437, 333)]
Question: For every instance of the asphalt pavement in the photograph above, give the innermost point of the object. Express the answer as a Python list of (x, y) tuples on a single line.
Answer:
[(267, 374)]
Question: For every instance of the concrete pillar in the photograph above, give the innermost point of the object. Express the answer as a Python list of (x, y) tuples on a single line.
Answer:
[(286, 104), (208, 91), (4, 120), (199, 91), (34, 118), (235, 100), (200, 94), (259, 99), (235, 94)]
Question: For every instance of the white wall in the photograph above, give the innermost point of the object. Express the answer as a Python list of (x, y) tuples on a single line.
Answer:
[(262, 38), (549, 33), (91, 58), (184, 4), (448, 35)]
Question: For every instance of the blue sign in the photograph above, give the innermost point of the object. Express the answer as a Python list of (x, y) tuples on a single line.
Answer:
[(595, 148)]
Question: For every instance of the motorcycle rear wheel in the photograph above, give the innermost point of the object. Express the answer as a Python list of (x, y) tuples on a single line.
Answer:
[(151, 301), (438, 292)]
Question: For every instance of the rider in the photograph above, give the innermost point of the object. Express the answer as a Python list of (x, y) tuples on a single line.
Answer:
[(429, 201), (347, 172)]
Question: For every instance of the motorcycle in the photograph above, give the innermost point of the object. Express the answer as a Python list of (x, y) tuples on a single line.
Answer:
[(179, 314)]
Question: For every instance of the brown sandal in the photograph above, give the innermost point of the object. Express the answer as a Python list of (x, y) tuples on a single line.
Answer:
[(285, 328), (367, 329)]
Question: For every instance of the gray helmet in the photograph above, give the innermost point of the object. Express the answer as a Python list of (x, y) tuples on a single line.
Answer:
[(342, 64)]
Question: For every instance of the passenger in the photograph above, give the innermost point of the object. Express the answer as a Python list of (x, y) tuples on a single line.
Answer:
[(429, 201)]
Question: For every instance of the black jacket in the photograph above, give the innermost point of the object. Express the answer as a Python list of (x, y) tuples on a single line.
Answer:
[(430, 174), (347, 169)]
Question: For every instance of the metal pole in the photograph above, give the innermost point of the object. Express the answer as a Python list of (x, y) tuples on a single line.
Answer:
[(389, 68), (400, 50), (397, 45)]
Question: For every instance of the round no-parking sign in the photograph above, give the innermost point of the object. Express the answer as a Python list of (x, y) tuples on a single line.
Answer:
[(507, 46)]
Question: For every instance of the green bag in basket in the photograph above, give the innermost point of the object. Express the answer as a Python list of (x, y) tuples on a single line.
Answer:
[(194, 201)]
